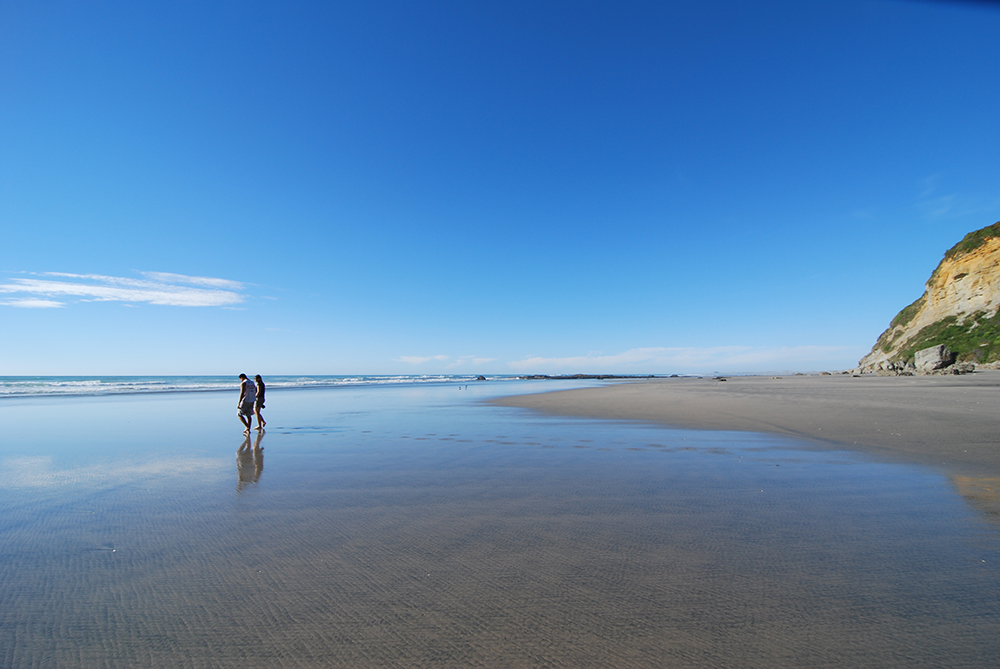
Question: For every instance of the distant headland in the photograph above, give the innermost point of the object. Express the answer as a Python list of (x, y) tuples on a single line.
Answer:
[(954, 326)]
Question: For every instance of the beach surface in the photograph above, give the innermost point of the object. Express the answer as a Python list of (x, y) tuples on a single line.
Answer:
[(425, 526), (949, 422)]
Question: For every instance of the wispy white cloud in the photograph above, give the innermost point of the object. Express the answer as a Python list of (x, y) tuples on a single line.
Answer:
[(33, 303), (158, 288), (167, 277), (418, 359), (929, 184), (464, 360), (453, 362), (935, 204), (724, 358)]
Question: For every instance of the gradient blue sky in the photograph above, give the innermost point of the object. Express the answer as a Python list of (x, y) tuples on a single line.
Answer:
[(470, 187)]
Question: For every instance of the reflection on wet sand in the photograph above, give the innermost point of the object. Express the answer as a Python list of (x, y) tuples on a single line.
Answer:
[(249, 461), (982, 494)]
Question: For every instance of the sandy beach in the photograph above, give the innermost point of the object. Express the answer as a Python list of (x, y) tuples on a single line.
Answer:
[(949, 422), (425, 526)]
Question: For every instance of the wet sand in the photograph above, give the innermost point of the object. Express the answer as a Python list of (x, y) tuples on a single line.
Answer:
[(426, 527), (949, 422)]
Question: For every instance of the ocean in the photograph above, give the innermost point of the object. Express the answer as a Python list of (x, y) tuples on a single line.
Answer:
[(44, 386)]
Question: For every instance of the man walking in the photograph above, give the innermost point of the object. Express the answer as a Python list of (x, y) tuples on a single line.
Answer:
[(244, 408)]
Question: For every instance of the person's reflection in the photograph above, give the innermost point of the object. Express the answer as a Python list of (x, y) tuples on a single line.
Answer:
[(249, 461)]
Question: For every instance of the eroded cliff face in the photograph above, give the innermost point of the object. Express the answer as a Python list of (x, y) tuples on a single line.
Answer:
[(958, 308)]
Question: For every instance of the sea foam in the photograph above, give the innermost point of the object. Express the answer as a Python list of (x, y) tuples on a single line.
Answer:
[(44, 386)]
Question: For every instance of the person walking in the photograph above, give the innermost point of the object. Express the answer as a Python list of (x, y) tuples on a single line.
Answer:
[(244, 408), (259, 402)]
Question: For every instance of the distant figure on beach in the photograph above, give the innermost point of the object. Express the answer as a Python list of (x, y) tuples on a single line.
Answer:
[(244, 408), (259, 402)]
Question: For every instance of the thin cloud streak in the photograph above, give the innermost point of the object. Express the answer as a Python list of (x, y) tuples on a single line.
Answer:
[(469, 360), (663, 359), (29, 303), (167, 277), (418, 359), (160, 289), (459, 361)]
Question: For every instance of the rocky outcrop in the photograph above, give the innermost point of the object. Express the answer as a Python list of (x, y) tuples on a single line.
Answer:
[(933, 358), (957, 313)]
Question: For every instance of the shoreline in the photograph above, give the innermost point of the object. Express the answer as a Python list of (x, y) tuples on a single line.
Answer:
[(947, 422), (30, 387)]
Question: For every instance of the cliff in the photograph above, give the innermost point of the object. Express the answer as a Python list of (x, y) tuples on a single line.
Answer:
[(958, 308)]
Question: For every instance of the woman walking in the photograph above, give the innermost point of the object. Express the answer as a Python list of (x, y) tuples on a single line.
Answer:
[(258, 403)]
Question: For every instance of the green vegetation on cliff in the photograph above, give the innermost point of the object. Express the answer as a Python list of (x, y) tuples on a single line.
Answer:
[(973, 337), (973, 240), (887, 340), (969, 243), (976, 339), (908, 312)]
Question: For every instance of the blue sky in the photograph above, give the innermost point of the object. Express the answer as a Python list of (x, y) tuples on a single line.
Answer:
[(466, 187)]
